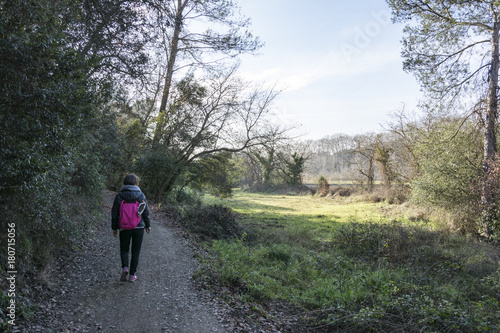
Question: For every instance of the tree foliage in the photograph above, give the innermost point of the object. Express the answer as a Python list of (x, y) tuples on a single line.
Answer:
[(218, 173), (295, 168), (453, 49), (46, 101), (112, 35), (450, 165), (183, 47), (60, 139), (208, 116), (447, 45)]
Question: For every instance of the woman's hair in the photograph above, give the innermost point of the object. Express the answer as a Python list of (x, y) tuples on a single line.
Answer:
[(131, 179)]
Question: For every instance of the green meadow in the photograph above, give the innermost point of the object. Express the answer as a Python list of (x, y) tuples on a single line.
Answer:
[(351, 265), (295, 209)]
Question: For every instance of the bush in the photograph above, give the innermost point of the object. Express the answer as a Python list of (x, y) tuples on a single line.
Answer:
[(391, 195), (283, 189), (449, 168), (322, 188), (212, 222), (343, 191), (55, 211), (396, 243)]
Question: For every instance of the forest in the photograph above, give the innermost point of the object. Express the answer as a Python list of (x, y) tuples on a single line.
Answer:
[(93, 90)]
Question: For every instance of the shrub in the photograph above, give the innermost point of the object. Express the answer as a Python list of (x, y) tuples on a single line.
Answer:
[(449, 168), (55, 211), (342, 191), (212, 222), (392, 195), (322, 188), (283, 189)]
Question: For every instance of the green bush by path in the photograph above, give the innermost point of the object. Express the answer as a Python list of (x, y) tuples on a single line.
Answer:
[(211, 222)]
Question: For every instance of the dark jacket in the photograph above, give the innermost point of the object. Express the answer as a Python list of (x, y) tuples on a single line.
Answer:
[(129, 192)]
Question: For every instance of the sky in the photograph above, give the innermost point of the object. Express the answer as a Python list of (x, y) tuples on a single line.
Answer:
[(339, 62)]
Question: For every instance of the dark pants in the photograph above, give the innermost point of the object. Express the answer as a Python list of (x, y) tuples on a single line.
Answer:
[(126, 236)]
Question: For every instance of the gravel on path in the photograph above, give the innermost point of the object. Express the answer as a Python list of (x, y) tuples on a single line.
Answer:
[(84, 292)]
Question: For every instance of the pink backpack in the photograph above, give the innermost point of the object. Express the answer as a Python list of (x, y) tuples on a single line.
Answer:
[(129, 215)]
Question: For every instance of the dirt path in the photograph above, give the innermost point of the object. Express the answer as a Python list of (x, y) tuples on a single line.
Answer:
[(87, 296)]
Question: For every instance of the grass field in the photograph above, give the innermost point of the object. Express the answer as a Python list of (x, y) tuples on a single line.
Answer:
[(354, 267), (308, 214), (297, 208)]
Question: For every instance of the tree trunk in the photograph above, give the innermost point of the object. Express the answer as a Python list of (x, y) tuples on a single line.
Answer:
[(166, 186), (174, 49), (489, 134), (371, 174)]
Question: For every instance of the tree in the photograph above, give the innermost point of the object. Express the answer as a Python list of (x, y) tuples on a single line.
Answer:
[(48, 103), (364, 157), (291, 161), (330, 156), (267, 163), (219, 173), (217, 114), (449, 167), (295, 168), (112, 35), (60, 135), (406, 129), (384, 160), (453, 49), (184, 49), (45, 94)]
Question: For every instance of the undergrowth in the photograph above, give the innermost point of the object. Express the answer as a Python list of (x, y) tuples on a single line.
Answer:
[(364, 277), (211, 222)]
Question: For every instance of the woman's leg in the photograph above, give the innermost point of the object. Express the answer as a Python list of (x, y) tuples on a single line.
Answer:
[(137, 235), (125, 236)]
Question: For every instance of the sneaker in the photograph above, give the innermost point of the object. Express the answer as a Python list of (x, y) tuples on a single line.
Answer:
[(123, 278), (132, 278)]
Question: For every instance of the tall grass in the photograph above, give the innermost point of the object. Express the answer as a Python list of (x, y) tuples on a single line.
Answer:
[(353, 268)]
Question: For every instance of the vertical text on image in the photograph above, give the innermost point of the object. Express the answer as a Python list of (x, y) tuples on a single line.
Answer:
[(11, 247), (11, 271)]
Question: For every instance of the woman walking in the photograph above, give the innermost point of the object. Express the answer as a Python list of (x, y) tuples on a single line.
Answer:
[(131, 194)]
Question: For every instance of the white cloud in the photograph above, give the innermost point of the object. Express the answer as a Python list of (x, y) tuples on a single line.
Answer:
[(295, 74)]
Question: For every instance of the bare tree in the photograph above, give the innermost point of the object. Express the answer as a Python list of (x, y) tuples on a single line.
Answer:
[(265, 159), (364, 157), (330, 156), (383, 159), (217, 114), (182, 48)]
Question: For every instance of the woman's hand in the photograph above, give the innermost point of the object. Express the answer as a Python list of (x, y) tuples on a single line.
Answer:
[(115, 233), (148, 230)]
